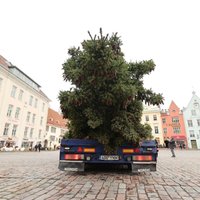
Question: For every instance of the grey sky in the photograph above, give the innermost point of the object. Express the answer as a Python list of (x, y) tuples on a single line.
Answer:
[(36, 34)]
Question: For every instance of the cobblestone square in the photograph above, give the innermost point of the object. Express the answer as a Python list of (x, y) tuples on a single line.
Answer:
[(35, 176)]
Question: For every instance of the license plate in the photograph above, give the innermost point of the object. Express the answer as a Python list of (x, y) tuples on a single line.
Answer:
[(149, 149), (143, 170), (105, 157)]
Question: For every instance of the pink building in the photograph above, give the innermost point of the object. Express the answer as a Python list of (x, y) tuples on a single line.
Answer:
[(173, 124)]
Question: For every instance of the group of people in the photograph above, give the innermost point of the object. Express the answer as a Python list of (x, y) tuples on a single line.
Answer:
[(38, 147)]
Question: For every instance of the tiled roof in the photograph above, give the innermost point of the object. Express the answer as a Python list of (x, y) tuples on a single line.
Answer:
[(4, 62), (56, 119)]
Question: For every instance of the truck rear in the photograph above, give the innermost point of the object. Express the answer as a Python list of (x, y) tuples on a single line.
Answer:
[(76, 153)]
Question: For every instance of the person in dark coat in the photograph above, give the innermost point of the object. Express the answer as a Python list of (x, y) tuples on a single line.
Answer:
[(36, 147), (39, 146), (172, 146)]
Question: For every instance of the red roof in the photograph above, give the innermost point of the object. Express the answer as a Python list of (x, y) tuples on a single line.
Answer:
[(56, 119)]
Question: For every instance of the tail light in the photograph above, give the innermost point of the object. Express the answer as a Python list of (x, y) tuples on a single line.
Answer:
[(89, 150), (142, 158), (127, 151), (74, 156)]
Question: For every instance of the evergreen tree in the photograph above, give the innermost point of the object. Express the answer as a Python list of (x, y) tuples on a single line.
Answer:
[(105, 102)]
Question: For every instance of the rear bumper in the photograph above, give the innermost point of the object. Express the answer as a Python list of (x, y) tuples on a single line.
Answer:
[(143, 166), (71, 165), (67, 165)]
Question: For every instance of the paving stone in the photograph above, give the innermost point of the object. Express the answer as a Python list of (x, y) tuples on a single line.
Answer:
[(32, 176)]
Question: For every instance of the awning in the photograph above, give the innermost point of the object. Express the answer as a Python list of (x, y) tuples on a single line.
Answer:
[(179, 137)]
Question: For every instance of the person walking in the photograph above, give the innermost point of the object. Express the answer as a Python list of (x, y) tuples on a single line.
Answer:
[(39, 146), (172, 145), (36, 147)]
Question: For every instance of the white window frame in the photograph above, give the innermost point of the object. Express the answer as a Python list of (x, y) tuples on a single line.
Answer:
[(10, 109), (14, 130), (13, 91)]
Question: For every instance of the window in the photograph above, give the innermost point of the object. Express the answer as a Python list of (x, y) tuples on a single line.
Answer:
[(163, 120), (6, 129), (53, 129), (41, 121), (21, 92), (9, 112), (28, 117), (190, 124), (43, 105), (62, 131), (147, 118), (31, 133), (31, 100), (33, 119), (13, 91), (17, 113), (192, 133), (36, 102), (196, 104), (175, 119), (193, 112), (198, 122), (40, 134), (47, 128), (52, 138), (156, 129), (25, 132), (154, 117), (14, 130), (176, 130)]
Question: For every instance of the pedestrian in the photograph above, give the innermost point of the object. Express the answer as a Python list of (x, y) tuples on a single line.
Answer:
[(39, 146), (172, 145), (36, 147), (156, 142)]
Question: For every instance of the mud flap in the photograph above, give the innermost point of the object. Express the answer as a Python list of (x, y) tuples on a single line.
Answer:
[(72, 166), (143, 167)]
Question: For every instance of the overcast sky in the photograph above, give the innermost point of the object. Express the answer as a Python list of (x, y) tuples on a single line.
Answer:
[(35, 36)]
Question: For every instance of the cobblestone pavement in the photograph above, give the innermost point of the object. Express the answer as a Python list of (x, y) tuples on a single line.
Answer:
[(34, 175)]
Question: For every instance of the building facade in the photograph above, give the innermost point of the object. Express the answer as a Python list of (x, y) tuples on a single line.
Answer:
[(151, 115), (192, 122), (173, 125), (55, 129), (23, 108)]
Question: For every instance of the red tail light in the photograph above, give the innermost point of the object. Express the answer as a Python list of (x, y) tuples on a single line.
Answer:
[(74, 156), (142, 158)]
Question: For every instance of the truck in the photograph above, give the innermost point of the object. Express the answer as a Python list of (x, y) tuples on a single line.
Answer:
[(75, 154)]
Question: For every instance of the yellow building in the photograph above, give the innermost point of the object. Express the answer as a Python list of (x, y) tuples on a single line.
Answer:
[(151, 115)]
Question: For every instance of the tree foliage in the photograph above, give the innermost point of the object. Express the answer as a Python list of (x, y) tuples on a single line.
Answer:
[(105, 102)]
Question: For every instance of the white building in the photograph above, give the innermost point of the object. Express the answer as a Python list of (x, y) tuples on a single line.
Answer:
[(151, 115), (23, 108), (192, 122), (55, 129)]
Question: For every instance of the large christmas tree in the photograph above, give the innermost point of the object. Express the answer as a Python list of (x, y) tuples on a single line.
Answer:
[(105, 101)]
